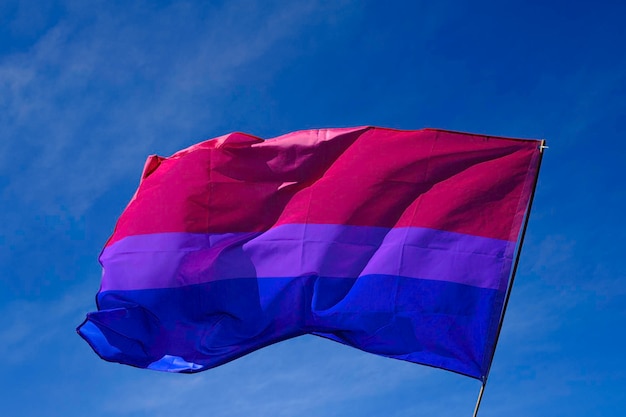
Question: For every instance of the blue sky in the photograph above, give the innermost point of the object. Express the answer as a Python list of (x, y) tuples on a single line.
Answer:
[(89, 89)]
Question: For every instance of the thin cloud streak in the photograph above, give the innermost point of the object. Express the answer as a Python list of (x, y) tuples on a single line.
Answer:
[(306, 376), (72, 86), (28, 328)]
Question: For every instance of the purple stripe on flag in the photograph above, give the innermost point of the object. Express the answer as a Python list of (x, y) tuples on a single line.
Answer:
[(171, 260)]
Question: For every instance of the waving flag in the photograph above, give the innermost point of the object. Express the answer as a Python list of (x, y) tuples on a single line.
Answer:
[(399, 243)]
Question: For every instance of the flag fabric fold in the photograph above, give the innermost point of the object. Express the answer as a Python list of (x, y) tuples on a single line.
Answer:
[(398, 243)]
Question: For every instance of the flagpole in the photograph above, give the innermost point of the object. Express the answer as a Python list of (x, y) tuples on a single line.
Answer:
[(480, 398), (542, 146)]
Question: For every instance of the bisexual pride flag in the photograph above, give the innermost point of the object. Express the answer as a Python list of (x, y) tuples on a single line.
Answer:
[(398, 243)]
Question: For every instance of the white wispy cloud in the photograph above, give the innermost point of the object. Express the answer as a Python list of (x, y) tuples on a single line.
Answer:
[(304, 377), (29, 329), (71, 121)]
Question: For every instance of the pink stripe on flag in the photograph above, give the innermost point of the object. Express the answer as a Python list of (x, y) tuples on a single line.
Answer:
[(377, 177)]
